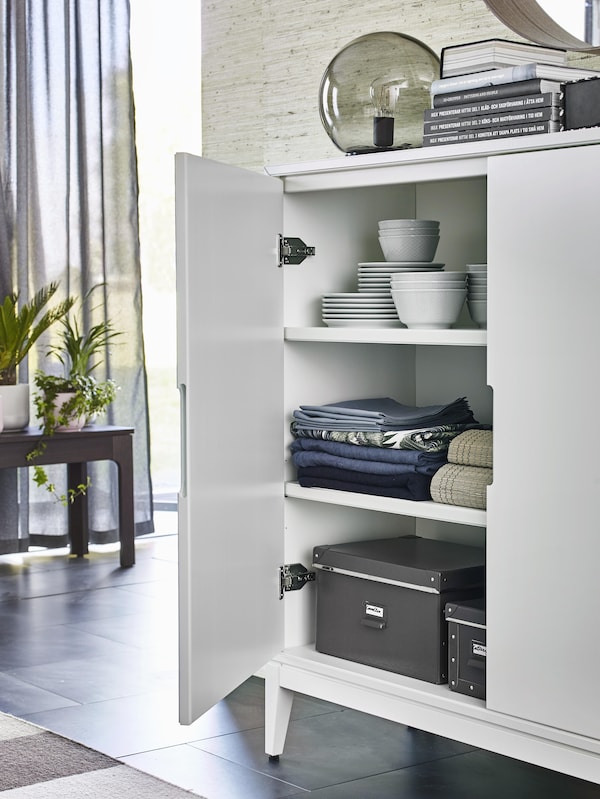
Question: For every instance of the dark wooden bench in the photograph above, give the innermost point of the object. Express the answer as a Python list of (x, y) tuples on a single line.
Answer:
[(76, 449)]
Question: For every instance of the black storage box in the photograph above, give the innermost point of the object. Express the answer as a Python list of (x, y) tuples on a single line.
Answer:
[(467, 647), (382, 602), (581, 104)]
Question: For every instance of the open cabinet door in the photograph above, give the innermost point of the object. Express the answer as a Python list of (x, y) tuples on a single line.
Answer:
[(230, 377)]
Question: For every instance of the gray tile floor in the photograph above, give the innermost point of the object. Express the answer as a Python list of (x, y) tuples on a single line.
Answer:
[(89, 651)]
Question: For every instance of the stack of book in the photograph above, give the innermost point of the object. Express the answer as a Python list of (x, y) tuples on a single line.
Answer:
[(500, 92)]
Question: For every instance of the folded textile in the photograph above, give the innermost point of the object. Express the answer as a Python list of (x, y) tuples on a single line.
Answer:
[(365, 478), (457, 484), (341, 449), (414, 486), (472, 448), (380, 413), (365, 466), (424, 439)]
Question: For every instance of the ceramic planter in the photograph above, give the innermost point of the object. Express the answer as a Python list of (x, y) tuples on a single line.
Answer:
[(15, 407)]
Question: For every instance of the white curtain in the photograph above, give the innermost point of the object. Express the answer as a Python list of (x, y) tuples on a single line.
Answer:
[(68, 212)]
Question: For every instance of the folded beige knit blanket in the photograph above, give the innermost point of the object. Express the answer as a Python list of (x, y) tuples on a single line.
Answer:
[(458, 484), (472, 448)]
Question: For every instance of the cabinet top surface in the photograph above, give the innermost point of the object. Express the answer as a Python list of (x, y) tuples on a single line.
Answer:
[(440, 154)]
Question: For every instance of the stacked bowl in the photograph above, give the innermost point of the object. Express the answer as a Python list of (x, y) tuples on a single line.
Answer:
[(409, 239), (431, 300), (376, 275), (477, 293)]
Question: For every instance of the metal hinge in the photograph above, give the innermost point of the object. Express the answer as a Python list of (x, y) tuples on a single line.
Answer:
[(293, 251), (293, 577)]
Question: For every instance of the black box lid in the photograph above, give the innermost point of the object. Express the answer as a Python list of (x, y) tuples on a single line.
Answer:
[(423, 563), (470, 611)]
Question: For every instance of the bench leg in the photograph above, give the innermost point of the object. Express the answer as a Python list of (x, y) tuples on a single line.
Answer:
[(78, 510), (123, 457)]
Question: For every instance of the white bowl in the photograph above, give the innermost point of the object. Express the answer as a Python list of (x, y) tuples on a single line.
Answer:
[(408, 231), (386, 224), (441, 277), (429, 308), (478, 311), (409, 248), (425, 286), (476, 267)]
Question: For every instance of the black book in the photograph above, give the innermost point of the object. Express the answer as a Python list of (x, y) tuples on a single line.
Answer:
[(495, 106), (474, 121), (484, 134), (500, 90)]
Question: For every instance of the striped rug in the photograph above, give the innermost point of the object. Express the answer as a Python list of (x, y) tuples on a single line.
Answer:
[(37, 764)]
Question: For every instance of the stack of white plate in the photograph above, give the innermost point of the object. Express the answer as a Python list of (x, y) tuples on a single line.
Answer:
[(477, 293), (376, 275), (372, 309), (409, 239)]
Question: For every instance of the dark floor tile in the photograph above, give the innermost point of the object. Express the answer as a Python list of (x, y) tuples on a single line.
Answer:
[(475, 775), (334, 747), (18, 697), (210, 776), (142, 630), (64, 574), (23, 647), (120, 727), (93, 679), (150, 721), (143, 722), (70, 608)]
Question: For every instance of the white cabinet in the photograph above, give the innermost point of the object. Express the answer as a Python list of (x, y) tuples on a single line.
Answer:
[(252, 348)]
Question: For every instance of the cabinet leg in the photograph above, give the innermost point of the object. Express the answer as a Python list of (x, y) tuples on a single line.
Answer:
[(278, 708)]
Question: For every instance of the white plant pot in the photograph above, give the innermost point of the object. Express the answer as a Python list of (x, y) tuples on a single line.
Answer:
[(15, 407), (76, 423)]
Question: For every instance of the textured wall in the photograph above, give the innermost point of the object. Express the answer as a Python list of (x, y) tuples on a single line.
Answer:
[(263, 61)]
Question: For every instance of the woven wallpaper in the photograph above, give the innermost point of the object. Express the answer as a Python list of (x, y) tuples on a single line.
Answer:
[(263, 61)]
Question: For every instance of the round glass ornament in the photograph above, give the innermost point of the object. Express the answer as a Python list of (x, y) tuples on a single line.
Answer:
[(374, 92)]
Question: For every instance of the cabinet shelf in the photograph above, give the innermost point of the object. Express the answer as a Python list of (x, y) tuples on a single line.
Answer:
[(466, 337), (404, 507)]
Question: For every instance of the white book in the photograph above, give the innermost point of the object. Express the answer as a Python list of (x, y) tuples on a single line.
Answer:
[(461, 59), (494, 77)]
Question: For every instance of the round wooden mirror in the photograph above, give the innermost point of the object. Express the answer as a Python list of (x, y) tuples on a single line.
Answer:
[(570, 24)]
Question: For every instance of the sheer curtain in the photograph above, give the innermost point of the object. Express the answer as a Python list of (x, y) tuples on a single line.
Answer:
[(69, 213)]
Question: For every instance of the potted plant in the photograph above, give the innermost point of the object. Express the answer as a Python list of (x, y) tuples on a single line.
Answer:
[(67, 402), (21, 325)]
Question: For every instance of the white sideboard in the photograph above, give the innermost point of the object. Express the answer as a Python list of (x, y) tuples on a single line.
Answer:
[(252, 348)]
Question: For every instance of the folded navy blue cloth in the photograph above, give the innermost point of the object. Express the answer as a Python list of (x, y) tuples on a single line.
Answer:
[(409, 457), (367, 466), (365, 478), (409, 486)]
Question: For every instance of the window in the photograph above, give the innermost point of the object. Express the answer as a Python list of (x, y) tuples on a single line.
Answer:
[(165, 47)]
